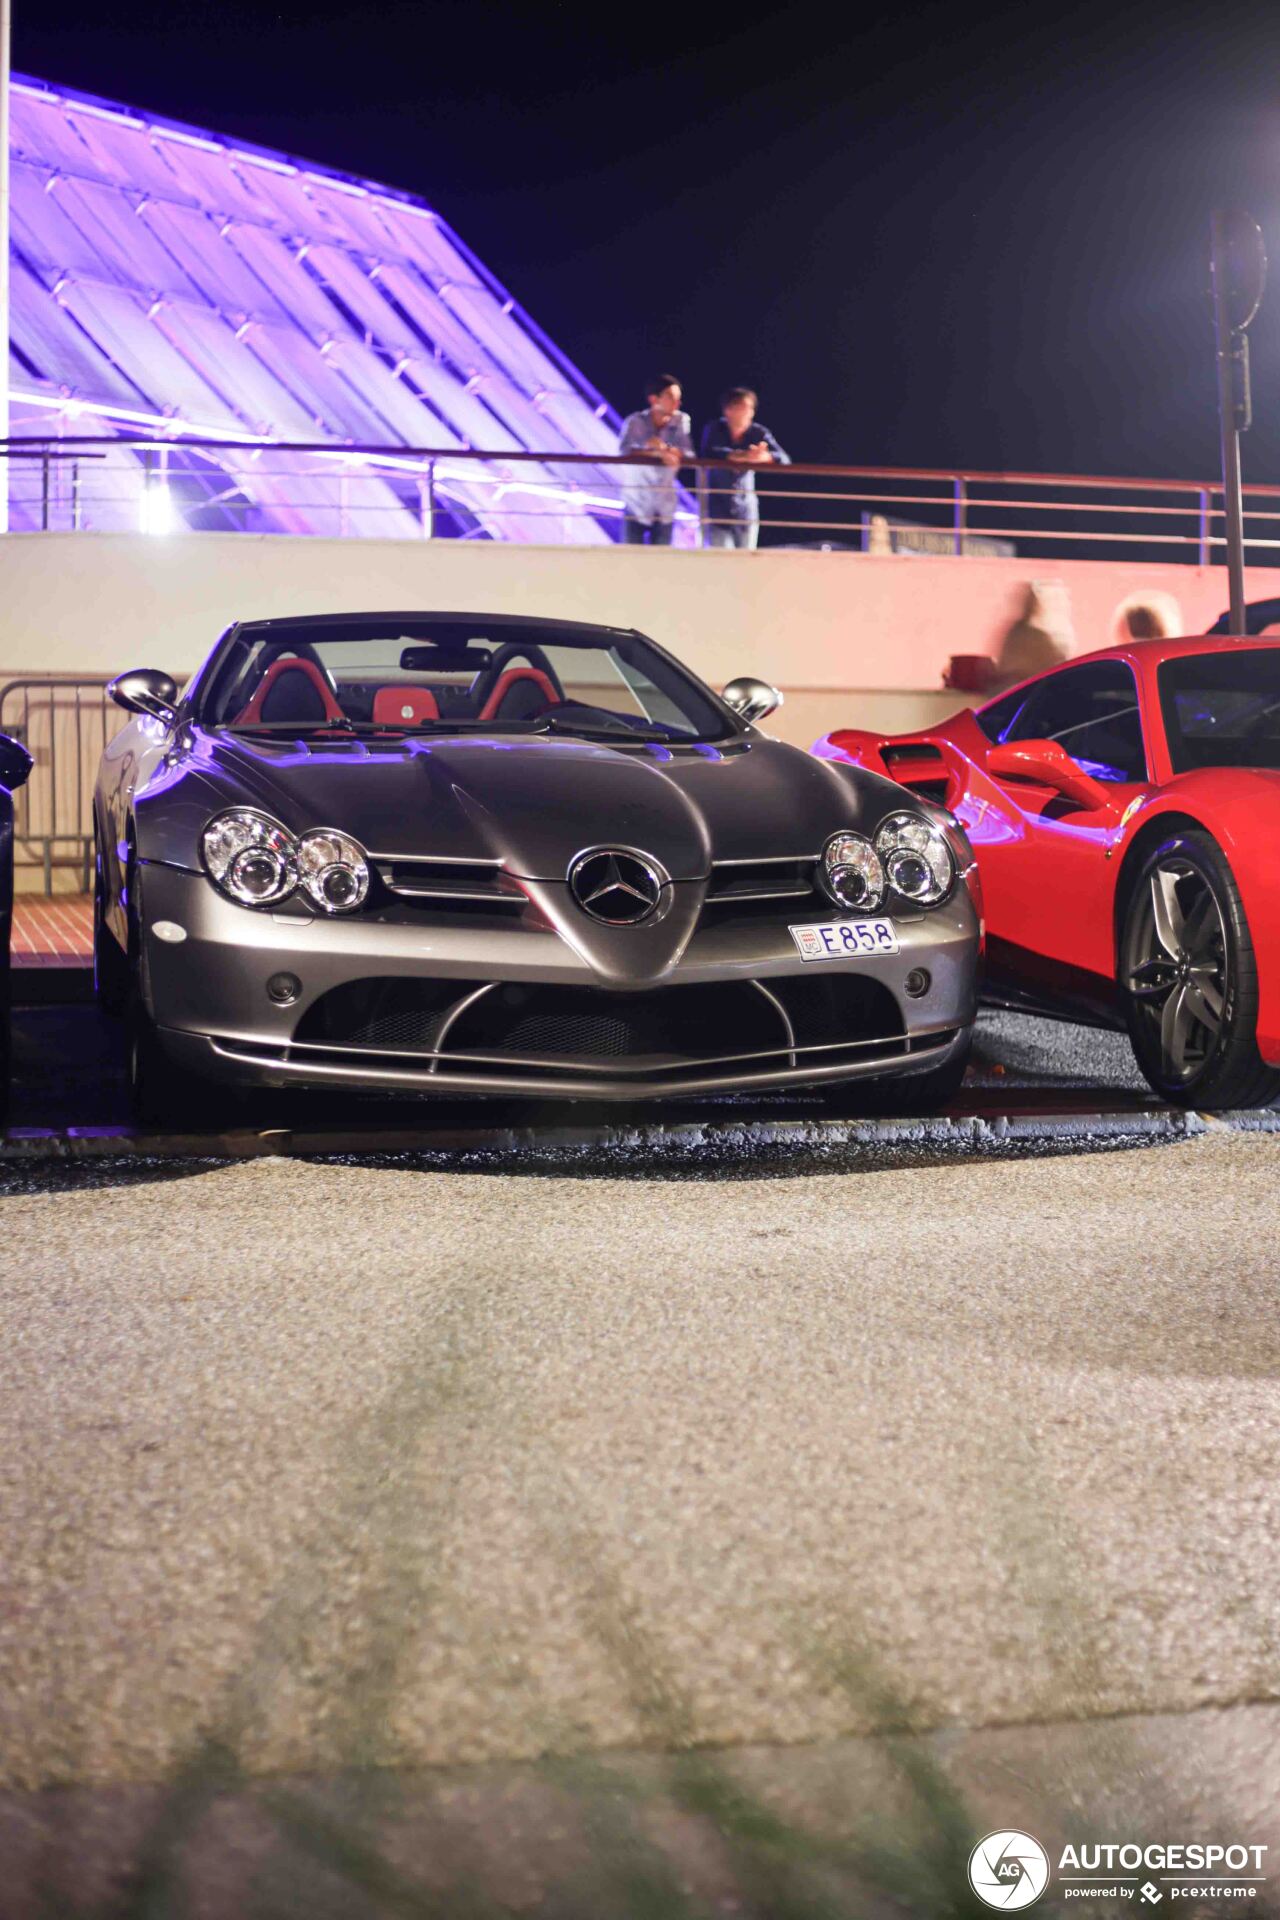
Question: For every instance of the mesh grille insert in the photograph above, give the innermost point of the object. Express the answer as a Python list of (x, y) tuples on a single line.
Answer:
[(585, 1023)]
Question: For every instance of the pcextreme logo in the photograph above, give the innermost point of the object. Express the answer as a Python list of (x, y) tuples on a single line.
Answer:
[(1010, 1869)]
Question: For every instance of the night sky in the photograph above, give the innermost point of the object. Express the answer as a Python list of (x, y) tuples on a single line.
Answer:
[(948, 237)]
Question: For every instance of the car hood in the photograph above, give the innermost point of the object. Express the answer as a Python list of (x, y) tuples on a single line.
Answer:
[(532, 803)]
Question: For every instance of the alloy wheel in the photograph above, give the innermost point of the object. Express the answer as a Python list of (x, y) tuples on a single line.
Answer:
[(1177, 966)]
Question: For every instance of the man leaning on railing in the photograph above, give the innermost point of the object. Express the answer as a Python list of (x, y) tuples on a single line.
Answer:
[(650, 495), (730, 509)]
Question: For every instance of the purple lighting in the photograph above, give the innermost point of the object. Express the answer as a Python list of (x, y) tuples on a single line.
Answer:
[(165, 280)]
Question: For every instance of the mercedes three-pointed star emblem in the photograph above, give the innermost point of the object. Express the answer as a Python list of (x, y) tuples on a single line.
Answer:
[(617, 886)]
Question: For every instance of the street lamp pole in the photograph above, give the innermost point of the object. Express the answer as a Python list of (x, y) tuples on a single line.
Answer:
[(1238, 274)]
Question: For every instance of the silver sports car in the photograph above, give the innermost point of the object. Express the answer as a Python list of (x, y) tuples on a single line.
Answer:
[(442, 853)]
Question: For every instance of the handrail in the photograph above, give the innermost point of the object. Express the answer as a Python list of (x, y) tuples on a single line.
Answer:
[(554, 456), (153, 481)]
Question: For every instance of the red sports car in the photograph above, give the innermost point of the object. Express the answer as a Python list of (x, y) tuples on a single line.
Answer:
[(1125, 811)]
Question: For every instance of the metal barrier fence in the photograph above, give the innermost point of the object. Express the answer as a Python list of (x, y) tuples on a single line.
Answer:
[(185, 483), (64, 725)]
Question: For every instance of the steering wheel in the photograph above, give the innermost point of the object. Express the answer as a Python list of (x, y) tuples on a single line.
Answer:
[(487, 678)]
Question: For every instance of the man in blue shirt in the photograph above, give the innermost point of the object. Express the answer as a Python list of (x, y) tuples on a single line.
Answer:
[(649, 493), (730, 509)]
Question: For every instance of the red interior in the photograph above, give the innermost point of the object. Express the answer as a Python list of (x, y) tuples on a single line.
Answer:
[(276, 672), (506, 681)]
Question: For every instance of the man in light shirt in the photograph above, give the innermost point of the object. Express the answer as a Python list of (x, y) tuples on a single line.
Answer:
[(650, 494)]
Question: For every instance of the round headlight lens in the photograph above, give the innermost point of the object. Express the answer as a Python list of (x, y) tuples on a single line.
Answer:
[(250, 857), (853, 873), (917, 860), (334, 871)]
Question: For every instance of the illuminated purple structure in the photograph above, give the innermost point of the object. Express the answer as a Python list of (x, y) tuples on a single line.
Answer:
[(169, 282)]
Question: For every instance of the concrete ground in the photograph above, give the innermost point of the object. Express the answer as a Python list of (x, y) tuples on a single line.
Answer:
[(442, 1467), (311, 1466)]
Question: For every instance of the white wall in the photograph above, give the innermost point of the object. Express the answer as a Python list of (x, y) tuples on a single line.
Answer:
[(851, 638)]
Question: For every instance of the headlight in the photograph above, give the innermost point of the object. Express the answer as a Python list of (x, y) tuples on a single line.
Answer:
[(257, 864), (250, 857), (334, 870), (852, 872), (917, 860)]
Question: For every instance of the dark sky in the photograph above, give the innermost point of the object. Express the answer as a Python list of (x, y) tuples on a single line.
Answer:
[(943, 236)]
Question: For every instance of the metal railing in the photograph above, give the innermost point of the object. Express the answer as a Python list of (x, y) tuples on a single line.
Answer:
[(64, 725), (159, 485)]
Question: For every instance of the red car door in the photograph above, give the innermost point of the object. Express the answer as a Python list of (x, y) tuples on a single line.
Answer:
[(1047, 880)]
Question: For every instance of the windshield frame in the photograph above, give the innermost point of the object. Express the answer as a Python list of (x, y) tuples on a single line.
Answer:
[(209, 685)]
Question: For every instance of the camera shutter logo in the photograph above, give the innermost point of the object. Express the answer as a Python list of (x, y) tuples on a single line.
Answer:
[(1008, 1870)]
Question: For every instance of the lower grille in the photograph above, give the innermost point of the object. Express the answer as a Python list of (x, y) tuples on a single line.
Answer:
[(826, 1008), (484, 1027), (385, 1015)]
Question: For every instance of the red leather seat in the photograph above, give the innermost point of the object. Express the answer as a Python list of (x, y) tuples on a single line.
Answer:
[(508, 681), (410, 705), (308, 698)]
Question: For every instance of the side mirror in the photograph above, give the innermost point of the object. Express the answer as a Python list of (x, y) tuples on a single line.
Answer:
[(15, 763), (751, 699), (1046, 764), (146, 690)]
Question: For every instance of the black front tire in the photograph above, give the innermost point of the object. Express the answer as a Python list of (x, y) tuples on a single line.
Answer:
[(6, 1024), (1188, 979), (111, 969), (159, 1095)]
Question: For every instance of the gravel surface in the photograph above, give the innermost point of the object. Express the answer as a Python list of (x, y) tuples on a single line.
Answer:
[(350, 1463)]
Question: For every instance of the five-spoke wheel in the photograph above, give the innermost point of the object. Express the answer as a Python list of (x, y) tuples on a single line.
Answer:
[(1189, 979)]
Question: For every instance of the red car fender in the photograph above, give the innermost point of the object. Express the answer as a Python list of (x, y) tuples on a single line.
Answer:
[(852, 743), (937, 760), (913, 761)]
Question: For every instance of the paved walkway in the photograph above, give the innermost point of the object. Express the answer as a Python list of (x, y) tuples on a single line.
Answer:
[(52, 933)]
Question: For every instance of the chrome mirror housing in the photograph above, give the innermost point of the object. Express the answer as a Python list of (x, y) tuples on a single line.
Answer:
[(751, 699), (146, 690)]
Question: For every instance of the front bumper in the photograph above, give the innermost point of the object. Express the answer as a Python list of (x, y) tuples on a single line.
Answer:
[(208, 997)]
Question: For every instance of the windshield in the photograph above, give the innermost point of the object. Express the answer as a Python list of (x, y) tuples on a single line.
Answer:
[(1222, 709), (453, 675)]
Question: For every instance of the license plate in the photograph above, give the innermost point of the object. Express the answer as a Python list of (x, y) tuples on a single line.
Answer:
[(845, 939)]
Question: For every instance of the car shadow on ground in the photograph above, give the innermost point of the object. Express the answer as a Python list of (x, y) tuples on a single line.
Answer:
[(69, 1081)]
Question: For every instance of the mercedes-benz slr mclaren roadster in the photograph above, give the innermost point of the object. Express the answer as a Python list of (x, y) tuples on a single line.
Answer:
[(442, 853)]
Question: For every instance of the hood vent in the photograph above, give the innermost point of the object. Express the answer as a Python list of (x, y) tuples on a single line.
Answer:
[(918, 750), (425, 880), (738, 880)]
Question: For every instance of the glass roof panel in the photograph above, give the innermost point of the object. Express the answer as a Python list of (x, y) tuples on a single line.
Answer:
[(170, 277)]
